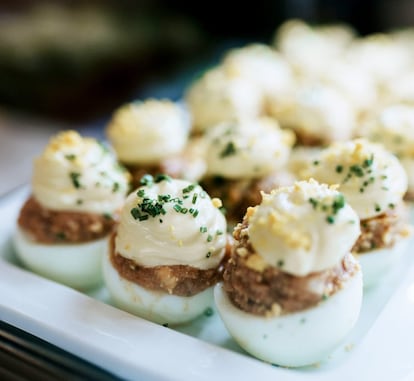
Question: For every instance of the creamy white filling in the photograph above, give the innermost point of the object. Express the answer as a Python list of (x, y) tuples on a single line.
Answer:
[(394, 128), (319, 111), (371, 178), (261, 65), (303, 228), (78, 174), (172, 222), (146, 132), (304, 45), (217, 97), (249, 149)]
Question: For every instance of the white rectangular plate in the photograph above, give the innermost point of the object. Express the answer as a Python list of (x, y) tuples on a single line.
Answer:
[(380, 347)]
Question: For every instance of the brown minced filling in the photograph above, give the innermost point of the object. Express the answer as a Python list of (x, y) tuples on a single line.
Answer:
[(238, 195), (309, 140), (272, 291), (180, 280), (382, 231), (409, 196), (51, 226)]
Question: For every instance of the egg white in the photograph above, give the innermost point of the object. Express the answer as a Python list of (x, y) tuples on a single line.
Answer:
[(295, 339), (75, 265), (376, 263), (158, 307)]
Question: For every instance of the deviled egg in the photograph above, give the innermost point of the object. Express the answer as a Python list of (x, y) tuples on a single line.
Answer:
[(151, 137), (393, 127), (167, 252), (244, 158), (78, 189), (219, 96), (374, 183), (289, 272)]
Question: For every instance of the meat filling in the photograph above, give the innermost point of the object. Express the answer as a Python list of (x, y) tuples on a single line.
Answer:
[(272, 291), (381, 231), (309, 140), (238, 195), (50, 226), (180, 280)]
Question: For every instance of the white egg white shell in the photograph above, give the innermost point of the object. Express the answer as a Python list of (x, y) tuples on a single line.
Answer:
[(158, 307), (296, 339), (376, 263), (75, 265)]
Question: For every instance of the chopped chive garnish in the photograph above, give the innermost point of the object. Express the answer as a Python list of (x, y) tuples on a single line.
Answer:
[(60, 235), (189, 188), (177, 208), (194, 198), (280, 263), (74, 176), (135, 213), (70, 156), (161, 177), (203, 229), (229, 149), (209, 238), (141, 193), (107, 216), (115, 187), (146, 180), (357, 170)]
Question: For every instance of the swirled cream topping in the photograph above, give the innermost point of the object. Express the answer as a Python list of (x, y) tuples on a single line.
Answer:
[(171, 222), (262, 65), (146, 132), (79, 174), (353, 82), (217, 97), (248, 149), (319, 111), (394, 129), (371, 178), (380, 56), (303, 228), (304, 45)]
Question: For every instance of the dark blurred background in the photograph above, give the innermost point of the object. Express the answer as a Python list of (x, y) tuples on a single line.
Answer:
[(78, 60)]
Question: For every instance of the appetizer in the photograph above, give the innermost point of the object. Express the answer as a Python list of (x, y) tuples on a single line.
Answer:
[(149, 137), (311, 49), (63, 228), (287, 275), (374, 183), (393, 127), (318, 113), (262, 66), (221, 97), (167, 252), (244, 159)]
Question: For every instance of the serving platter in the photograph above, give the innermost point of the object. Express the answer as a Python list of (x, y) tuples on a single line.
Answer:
[(381, 345)]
